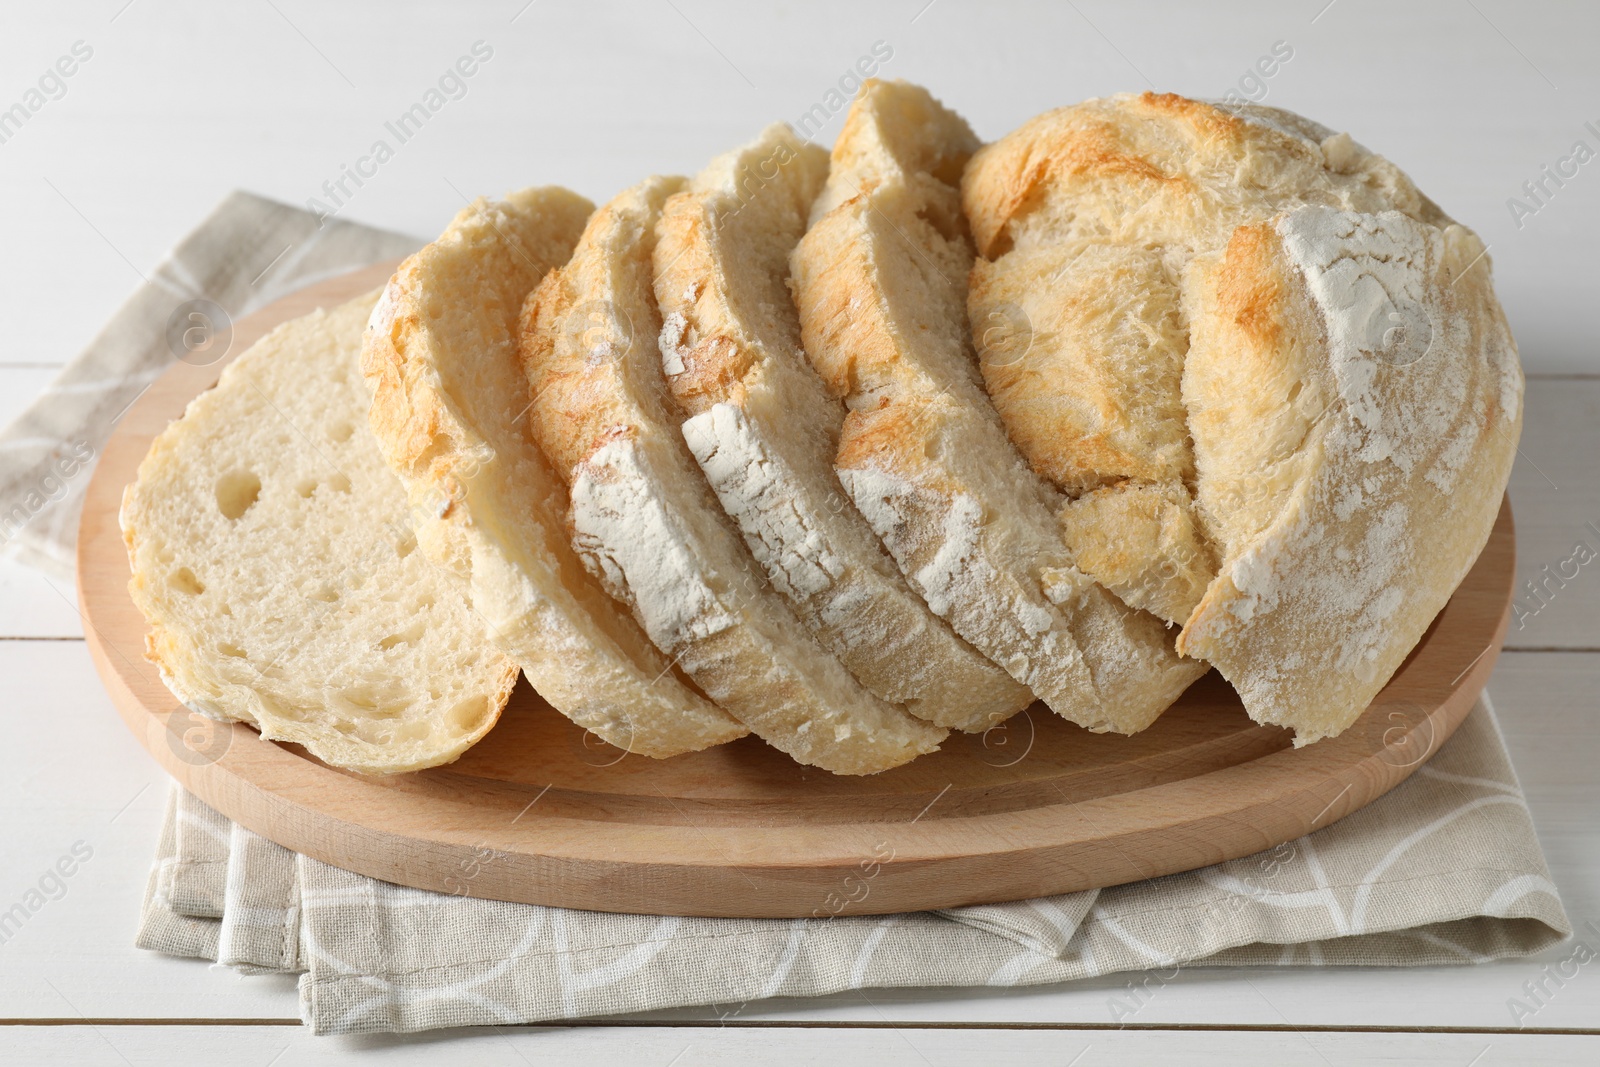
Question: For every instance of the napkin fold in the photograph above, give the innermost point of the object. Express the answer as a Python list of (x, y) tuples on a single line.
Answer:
[(1444, 869)]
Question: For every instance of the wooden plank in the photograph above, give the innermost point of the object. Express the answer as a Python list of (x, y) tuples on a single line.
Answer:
[(1555, 490), (91, 1046), (33, 604)]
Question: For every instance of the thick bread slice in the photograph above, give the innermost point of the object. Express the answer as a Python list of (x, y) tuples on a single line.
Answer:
[(449, 410), (646, 524), (764, 432), (1324, 335), (273, 558), (881, 280)]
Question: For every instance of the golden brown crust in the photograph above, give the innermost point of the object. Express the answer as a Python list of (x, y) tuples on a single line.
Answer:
[(1310, 352)]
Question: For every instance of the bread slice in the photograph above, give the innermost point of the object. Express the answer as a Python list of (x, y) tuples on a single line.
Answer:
[(449, 410), (273, 558), (1326, 337), (764, 431), (646, 524), (881, 279)]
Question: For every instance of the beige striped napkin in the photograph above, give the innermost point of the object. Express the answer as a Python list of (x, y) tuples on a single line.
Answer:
[(1445, 869)]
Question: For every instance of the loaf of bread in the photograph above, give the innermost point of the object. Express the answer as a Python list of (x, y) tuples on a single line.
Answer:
[(1271, 376), (849, 451), (273, 556)]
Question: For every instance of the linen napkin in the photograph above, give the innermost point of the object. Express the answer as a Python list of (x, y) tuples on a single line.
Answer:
[(1445, 869)]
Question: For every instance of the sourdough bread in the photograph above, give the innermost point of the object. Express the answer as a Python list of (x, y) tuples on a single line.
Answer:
[(1326, 337), (881, 280), (764, 431), (273, 557), (449, 410), (646, 524)]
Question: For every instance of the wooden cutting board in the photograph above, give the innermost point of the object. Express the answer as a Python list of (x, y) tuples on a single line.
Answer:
[(542, 812)]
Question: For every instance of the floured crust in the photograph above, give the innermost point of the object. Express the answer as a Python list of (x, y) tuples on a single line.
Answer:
[(1227, 313), (764, 432), (647, 525), (1377, 500), (881, 283), (449, 402), (359, 650)]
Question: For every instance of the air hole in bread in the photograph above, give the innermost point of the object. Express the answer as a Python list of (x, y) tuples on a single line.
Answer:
[(405, 546), (272, 709), (306, 487), (468, 715), (1294, 391), (340, 483), (327, 594), (409, 636), (236, 492), (340, 431), (361, 696), (228, 648), (184, 581)]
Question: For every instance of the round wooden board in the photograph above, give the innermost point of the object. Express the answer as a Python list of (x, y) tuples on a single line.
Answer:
[(544, 813)]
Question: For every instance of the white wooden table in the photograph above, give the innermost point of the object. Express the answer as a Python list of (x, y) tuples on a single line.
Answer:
[(182, 101)]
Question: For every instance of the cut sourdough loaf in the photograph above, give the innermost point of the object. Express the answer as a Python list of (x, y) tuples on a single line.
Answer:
[(273, 558), (764, 432), (449, 410), (649, 529), (1327, 338), (881, 280)]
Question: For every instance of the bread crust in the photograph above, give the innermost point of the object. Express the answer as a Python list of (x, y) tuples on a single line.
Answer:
[(1343, 528), (449, 412), (1295, 299)]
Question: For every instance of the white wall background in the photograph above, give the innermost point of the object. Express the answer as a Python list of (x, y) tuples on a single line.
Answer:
[(183, 100)]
